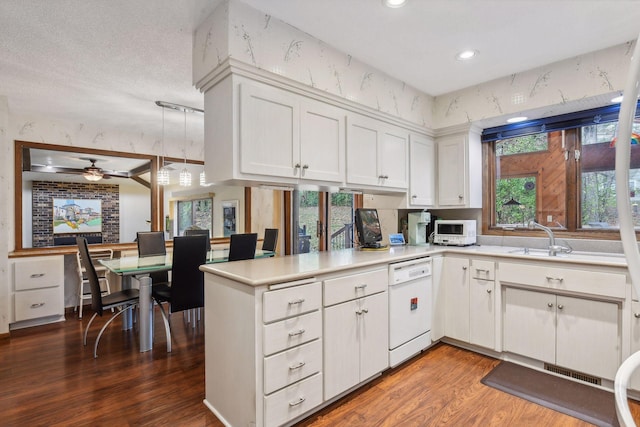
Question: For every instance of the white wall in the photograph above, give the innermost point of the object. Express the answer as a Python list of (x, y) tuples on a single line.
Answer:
[(135, 211), (6, 187)]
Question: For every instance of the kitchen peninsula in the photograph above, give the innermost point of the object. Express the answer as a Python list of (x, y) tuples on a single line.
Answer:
[(289, 335)]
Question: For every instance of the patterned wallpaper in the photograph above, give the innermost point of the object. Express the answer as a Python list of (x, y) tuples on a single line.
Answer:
[(270, 44)]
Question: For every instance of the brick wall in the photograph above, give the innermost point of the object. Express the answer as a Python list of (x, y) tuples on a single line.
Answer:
[(43, 194)]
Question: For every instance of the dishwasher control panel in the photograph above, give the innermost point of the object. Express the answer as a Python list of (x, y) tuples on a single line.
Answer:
[(406, 271)]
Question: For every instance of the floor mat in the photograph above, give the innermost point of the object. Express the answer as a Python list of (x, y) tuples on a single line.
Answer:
[(581, 401)]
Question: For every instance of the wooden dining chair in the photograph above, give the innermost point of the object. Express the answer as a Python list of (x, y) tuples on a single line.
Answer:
[(125, 299), (151, 243), (186, 290), (242, 246), (270, 241)]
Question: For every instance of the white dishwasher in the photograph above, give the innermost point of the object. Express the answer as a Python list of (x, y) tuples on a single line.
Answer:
[(409, 309)]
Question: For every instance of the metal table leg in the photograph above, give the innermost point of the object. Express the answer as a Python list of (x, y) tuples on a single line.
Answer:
[(146, 315)]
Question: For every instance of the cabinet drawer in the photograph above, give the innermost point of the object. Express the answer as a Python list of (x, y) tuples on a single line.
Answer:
[(292, 301), (38, 303), (291, 332), (483, 269), (355, 286), (571, 280), (38, 273), (293, 401), (290, 366)]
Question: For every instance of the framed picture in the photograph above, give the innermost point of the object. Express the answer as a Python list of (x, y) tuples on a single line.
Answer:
[(229, 210), (75, 216)]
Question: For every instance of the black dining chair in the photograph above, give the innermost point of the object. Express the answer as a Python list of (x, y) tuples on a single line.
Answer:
[(242, 246), (203, 232), (151, 243), (186, 290), (125, 299), (270, 241)]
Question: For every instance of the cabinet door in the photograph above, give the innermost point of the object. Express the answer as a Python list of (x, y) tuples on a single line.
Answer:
[(421, 171), (373, 333), (588, 336), (322, 142), (393, 154), (269, 131), (341, 348), (362, 150), (482, 314), (455, 279), (529, 324), (452, 171)]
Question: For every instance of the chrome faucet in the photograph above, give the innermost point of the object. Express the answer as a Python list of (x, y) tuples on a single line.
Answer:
[(553, 248)]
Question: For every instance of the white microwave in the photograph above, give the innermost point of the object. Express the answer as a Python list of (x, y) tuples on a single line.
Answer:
[(455, 232)]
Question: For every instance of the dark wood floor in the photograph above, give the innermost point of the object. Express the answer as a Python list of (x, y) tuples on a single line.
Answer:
[(47, 378)]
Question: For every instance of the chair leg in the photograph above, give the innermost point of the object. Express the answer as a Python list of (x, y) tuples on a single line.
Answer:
[(87, 329), (167, 327), (95, 347)]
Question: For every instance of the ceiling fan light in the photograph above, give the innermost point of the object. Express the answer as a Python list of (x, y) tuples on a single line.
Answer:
[(92, 175), (185, 178), (163, 176)]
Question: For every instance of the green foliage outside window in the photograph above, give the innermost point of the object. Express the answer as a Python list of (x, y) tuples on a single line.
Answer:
[(522, 144), (515, 200)]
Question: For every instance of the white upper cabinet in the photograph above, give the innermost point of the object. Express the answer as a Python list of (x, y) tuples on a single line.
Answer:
[(269, 131), (377, 153), (460, 171), (322, 142), (422, 164)]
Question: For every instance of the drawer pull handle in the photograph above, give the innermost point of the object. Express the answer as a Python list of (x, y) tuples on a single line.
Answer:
[(363, 311), (558, 279), (297, 366), (297, 402), (37, 275), (298, 332), (482, 270), (362, 286), (636, 315), (37, 305), (297, 301)]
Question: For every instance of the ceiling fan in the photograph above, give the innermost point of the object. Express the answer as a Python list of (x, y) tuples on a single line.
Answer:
[(93, 173)]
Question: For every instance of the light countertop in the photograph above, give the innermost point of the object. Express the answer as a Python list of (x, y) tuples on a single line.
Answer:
[(267, 271)]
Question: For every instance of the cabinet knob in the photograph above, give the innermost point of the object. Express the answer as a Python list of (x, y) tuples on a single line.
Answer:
[(296, 166), (305, 166), (414, 197), (560, 306), (460, 196), (488, 291), (636, 315), (464, 267), (549, 304)]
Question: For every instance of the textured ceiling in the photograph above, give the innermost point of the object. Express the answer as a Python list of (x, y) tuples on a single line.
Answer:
[(106, 62)]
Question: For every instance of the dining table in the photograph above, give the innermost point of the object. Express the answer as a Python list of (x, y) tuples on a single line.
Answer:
[(133, 266)]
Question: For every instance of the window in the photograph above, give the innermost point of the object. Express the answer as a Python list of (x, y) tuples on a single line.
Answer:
[(562, 178), (195, 214)]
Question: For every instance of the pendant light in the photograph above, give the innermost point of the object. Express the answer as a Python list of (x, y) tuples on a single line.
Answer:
[(185, 175), (163, 173)]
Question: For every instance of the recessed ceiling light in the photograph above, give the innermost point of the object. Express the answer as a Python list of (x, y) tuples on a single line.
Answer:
[(394, 3), (466, 54), (617, 99), (517, 119)]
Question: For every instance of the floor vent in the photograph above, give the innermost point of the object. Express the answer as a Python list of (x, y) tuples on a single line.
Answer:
[(573, 374)]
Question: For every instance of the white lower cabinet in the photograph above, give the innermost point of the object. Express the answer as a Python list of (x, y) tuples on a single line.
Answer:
[(293, 401), (575, 333), (634, 382), (356, 343), (38, 290), (356, 329), (469, 300)]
